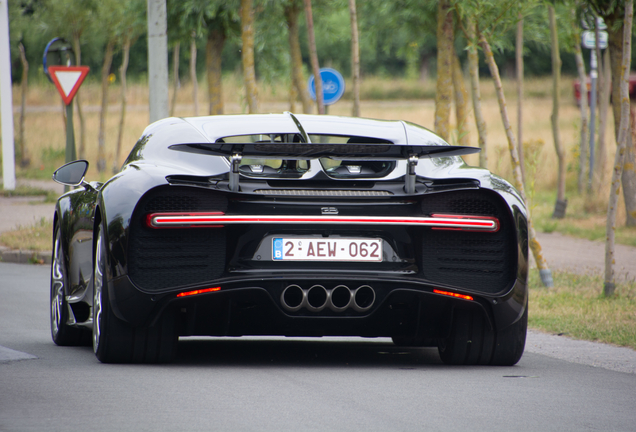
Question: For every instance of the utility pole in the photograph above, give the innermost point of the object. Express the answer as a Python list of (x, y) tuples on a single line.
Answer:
[(6, 100), (157, 59)]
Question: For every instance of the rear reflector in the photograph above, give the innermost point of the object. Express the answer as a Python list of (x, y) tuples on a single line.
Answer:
[(201, 291), (452, 294), (183, 220)]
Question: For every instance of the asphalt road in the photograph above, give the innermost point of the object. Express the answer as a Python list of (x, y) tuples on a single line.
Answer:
[(278, 384)]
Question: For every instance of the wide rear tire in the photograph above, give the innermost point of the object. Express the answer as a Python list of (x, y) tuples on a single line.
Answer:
[(473, 342), (115, 341)]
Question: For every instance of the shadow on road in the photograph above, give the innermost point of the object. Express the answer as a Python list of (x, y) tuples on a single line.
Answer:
[(305, 353)]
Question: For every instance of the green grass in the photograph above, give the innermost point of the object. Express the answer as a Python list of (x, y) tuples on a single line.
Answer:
[(37, 237), (28, 191), (585, 218), (576, 307)]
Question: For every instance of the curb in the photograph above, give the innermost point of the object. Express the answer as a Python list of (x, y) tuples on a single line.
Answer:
[(24, 256)]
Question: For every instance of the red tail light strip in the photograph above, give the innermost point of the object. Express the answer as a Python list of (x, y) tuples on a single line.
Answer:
[(453, 294), (199, 291), (182, 220)]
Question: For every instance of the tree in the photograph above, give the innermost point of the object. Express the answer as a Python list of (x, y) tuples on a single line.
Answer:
[(621, 147), (18, 17), (109, 15), (473, 67), (613, 14), (491, 20), (461, 101), (313, 55), (355, 58), (131, 25), (292, 10), (559, 209), (519, 64), (247, 53), (444, 92)]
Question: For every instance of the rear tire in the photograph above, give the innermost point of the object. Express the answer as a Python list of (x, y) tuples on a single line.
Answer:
[(61, 333), (473, 342), (115, 341)]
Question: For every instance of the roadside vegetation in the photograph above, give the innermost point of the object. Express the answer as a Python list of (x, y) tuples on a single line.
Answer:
[(576, 308)]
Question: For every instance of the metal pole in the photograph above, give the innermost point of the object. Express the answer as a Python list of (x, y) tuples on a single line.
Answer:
[(593, 76), (6, 100), (157, 59)]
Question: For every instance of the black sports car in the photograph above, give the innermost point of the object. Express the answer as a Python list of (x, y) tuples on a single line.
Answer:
[(294, 225)]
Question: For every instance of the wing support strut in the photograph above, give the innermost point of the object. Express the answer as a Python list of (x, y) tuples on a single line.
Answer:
[(409, 179), (234, 173)]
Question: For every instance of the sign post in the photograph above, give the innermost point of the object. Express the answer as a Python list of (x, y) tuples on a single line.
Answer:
[(589, 41), (333, 86), (6, 101), (68, 80)]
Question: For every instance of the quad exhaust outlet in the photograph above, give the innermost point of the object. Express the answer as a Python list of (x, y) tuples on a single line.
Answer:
[(317, 298)]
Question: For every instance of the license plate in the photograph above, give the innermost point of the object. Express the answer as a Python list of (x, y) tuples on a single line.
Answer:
[(324, 249)]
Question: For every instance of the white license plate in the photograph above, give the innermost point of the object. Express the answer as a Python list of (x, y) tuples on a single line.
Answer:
[(326, 249)]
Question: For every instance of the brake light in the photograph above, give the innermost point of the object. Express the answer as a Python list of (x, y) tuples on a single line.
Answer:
[(200, 291), (467, 223), (453, 294)]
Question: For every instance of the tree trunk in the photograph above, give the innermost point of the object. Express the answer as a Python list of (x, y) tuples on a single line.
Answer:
[(444, 91), (292, 11), (604, 101), (355, 58), (213, 51), (473, 67), (101, 144), (461, 102), (546, 275), (313, 55), (175, 76), (247, 54), (193, 74), (122, 117), (24, 86), (556, 85), (77, 49), (583, 146), (628, 177), (519, 64), (621, 146)]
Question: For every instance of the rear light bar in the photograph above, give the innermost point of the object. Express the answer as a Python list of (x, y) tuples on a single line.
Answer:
[(193, 220), (453, 294), (199, 291)]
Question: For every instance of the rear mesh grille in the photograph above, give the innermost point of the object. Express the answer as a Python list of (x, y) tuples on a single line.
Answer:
[(163, 258), (478, 261)]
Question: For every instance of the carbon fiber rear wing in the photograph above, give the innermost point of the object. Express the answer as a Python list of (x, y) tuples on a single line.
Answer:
[(299, 151)]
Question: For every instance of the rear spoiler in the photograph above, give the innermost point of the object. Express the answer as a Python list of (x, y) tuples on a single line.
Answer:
[(350, 151), (347, 151)]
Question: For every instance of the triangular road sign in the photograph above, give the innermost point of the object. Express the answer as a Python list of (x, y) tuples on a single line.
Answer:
[(68, 80)]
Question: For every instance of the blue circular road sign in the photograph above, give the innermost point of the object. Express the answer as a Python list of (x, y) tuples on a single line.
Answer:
[(333, 86)]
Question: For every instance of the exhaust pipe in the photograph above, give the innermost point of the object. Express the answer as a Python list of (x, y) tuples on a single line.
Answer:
[(340, 298), (363, 298), (292, 298), (316, 298)]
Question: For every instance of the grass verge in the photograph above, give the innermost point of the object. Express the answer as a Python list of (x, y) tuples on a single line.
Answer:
[(37, 237), (576, 307), (28, 191)]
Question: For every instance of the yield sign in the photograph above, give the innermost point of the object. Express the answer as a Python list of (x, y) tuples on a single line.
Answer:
[(68, 80)]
